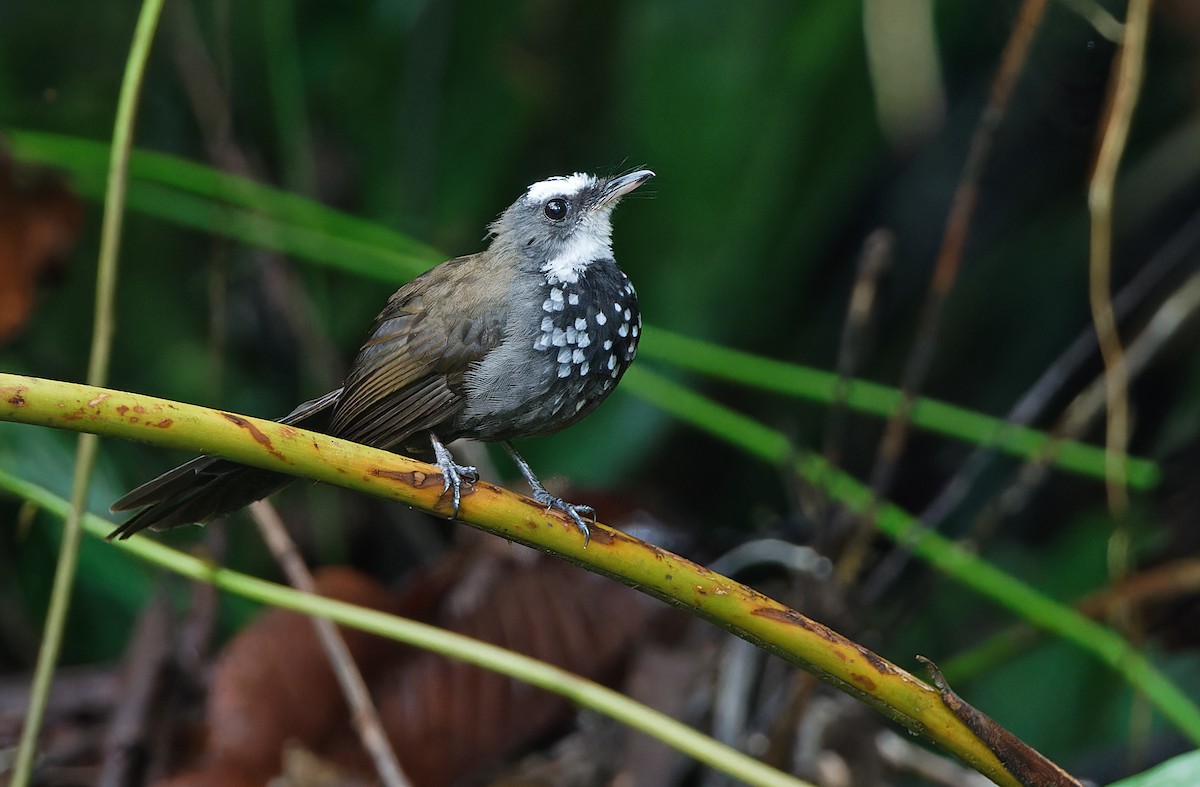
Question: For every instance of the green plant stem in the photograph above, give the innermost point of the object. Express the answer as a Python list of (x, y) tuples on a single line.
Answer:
[(867, 397), (964, 567), (102, 330), (741, 610)]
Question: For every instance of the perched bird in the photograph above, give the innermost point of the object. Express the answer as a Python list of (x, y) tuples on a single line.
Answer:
[(519, 340)]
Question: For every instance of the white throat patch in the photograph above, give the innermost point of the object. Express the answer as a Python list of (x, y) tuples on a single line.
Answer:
[(583, 248), (559, 186)]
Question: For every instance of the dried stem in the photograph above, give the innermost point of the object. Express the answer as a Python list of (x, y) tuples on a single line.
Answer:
[(358, 697)]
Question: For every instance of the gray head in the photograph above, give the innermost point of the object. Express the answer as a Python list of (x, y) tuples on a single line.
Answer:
[(563, 224)]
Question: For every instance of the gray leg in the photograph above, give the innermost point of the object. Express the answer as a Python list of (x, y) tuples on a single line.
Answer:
[(550, 501), (452, 472)]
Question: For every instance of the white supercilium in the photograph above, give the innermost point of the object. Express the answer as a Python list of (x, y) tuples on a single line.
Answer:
[(560, 186)]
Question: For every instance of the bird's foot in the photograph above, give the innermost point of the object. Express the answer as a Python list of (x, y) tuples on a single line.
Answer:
[(453, 474), (576, 512), (540, 494)]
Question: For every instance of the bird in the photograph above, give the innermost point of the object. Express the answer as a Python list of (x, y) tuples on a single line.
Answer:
[(521, 339)]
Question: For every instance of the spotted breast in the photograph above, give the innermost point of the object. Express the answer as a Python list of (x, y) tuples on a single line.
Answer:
[(589, 335)]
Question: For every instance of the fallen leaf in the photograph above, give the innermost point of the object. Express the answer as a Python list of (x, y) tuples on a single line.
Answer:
[(40, 218)]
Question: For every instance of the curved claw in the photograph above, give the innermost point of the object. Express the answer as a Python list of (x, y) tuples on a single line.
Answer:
[(570, 509), (453, 473), (550, 501)]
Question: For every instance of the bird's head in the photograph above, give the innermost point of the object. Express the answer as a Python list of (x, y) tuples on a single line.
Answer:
[(563, 224)]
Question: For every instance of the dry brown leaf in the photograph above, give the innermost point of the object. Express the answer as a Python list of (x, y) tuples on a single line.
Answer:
[(273, 683), (448, 719), (40, 217)]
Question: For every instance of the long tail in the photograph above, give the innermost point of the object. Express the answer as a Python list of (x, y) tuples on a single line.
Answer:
[(207, 487)]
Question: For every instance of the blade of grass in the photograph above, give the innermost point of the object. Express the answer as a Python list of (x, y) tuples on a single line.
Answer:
[(202, 198), (84, 159), (867, 397), (102, 331)]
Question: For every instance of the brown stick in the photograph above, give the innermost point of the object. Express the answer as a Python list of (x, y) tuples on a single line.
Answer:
[(358, 697)]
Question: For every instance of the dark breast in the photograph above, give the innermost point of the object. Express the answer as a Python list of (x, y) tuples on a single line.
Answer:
[(588, 336)]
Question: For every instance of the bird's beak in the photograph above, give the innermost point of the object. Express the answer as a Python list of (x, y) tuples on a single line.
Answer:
[(618, 187)]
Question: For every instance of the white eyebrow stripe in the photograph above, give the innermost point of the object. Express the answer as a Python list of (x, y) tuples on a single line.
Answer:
[(560, 186)]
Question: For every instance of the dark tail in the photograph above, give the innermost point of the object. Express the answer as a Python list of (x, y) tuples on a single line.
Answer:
[(207, 487)]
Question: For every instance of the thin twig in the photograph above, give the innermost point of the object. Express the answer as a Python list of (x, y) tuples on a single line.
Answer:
[(949, 259), (102, 331), (874, 261), (1130, 61), (1033, 403), (147, 660), (358, 697), (876, 258), (1168, 319), (1098, 17)]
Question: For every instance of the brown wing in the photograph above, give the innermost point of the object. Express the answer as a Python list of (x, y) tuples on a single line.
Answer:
[(408, 376)]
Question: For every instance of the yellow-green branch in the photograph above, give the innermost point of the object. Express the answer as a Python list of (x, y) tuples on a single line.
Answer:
[(733, 606)]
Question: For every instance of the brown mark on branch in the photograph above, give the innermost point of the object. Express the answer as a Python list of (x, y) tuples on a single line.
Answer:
[(257, 434), (415, 478)]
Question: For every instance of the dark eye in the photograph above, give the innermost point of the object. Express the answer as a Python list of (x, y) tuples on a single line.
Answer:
[(557, 209)]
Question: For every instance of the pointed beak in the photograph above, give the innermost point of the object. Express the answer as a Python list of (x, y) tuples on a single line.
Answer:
[(618, 187)]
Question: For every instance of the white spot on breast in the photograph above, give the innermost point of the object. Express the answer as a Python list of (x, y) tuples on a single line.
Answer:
[(556, 295), (584, 368), (584, 339), (634, 331), (573, 298), (623, 331), (571, 334), (600, 318), (608, 344), (564, 370), (577, 356), (580, 324), (558, 338), (564, 355), (612, 362), (542, 342), (547, 324), (628, 314), (616, 307), (579, 405)]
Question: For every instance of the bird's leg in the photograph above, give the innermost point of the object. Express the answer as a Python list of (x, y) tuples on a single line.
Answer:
[(452, 472), (550, 501)]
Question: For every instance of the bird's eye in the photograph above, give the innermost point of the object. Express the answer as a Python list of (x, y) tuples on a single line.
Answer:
[(557, 209)]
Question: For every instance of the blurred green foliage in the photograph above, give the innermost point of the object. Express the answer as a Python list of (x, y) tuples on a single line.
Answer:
[(758, 116)]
